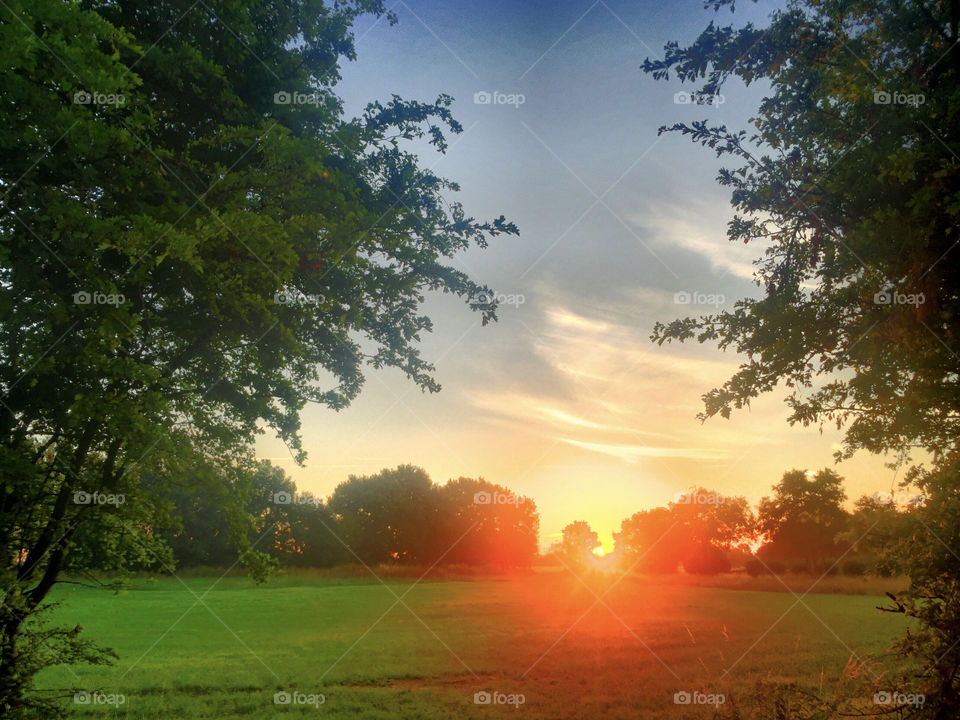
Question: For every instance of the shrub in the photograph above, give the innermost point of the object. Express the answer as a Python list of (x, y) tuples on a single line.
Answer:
[(754, 567)]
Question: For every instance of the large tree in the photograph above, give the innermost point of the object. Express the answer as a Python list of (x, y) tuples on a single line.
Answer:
[(578, 541), (847, 185), (194, 244), (482, 523), (388, 517), (803, 518)]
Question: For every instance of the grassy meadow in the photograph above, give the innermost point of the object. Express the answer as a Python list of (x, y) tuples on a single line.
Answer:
[(207, 648)]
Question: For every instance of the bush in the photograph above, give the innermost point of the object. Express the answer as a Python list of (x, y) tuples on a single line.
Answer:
[(854, 568), (800, 568), (831, 567), (754, 567)]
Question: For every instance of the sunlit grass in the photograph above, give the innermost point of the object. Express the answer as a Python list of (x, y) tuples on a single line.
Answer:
[(226, 654)]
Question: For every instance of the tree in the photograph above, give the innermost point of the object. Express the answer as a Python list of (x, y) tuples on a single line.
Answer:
[(482, 523), (697, 530), (388, 517), (649, 541), (883, 529), (850, 182), (578, 541), (194, 243), (708, 525), (803, 519)]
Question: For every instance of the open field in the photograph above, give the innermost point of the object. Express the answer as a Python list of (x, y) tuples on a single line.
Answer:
[(200, 648)]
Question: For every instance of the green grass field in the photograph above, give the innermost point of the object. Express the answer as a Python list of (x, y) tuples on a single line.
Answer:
[(202, 648)]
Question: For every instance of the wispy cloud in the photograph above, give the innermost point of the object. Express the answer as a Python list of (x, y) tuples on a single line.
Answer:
[(694, 229), (633, 453)]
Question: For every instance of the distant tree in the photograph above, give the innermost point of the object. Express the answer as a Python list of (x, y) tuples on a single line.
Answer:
[(697, 530), (650, 541), (578, 542), (708, 524), (804, 518), (390, 517), (883, 529), (307, 535), (483, 523)]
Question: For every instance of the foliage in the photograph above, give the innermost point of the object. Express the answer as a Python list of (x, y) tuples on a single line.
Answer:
[(848, 186), (696, 531), (578, 541), (187, 257), (803, 518)]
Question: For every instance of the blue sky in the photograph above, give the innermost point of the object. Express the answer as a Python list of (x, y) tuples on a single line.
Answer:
[(565, 399)]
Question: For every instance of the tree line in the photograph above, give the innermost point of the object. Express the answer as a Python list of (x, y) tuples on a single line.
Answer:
[(397, 516), (802, 526)]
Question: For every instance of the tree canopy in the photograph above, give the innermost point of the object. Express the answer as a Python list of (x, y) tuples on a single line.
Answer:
[(195, 243), (847, 185)]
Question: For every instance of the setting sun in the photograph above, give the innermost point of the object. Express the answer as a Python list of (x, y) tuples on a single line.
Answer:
[(598, 551)]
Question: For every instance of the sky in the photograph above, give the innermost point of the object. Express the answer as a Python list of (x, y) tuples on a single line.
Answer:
[(565, 399)]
